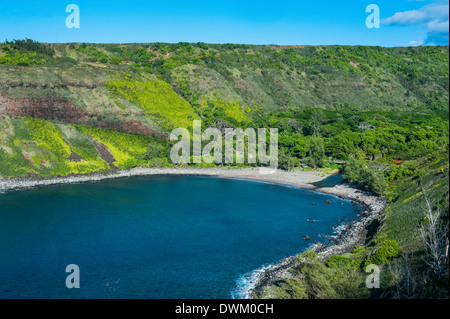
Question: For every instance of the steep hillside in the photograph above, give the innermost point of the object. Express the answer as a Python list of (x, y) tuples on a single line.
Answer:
[(270, 77), (388, 103)]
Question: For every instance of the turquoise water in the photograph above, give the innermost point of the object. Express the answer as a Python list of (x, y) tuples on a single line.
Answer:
[(154, 237)]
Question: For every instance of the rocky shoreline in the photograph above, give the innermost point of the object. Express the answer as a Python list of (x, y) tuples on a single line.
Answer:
[(352, 234)]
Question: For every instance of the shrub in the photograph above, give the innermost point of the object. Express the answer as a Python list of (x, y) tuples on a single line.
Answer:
[(287, 162), (128, 150), (364, 175), (28, 46), (316, 152), (383, 254), (159, 162), (316, 275), (293, 288), (158, 99)]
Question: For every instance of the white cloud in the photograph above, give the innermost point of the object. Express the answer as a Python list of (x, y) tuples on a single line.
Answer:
[(435, 17), (434, 11), (406, 18), (438, 26), (415, 43)]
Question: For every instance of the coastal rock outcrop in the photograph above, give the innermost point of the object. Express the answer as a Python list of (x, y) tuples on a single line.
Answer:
[(352, 234)]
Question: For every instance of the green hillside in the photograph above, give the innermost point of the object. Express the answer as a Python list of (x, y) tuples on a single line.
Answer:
[(388, 103), (378, 114)]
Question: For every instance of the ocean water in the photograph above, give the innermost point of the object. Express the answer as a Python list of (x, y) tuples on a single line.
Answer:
[(155, 236), (330, 181)]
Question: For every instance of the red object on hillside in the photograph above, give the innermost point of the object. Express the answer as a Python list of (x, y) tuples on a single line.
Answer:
[(398, 162), (29, 158)]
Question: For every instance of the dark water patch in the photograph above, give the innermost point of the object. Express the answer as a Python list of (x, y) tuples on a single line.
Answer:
[(330, 181)]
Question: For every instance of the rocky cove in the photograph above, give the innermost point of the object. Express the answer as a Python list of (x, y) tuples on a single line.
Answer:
[(350, 233)]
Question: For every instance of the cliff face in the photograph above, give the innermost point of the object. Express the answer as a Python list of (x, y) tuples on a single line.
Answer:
[(54, 109), (60, 110), (131, 127)]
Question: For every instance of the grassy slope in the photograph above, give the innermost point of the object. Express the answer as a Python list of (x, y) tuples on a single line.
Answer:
[(35, 146), (19, 82), (406, 212), (324, 76)]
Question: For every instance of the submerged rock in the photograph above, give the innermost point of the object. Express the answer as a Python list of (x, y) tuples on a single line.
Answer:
[(328, 201), (306, 237)]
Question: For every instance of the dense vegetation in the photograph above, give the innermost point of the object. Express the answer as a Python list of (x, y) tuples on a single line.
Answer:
[(25, 52), (158, 99), (379, 114), (327, 102), (399, 243), (34, 146)]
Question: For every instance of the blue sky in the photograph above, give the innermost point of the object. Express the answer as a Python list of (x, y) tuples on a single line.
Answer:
[(404, 22)]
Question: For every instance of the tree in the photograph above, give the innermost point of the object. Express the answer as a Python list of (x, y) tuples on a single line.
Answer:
[(316, 152), (435, 235), (364, 175), (317, 119), (287, 162), (202, 45), (156, 151)]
